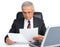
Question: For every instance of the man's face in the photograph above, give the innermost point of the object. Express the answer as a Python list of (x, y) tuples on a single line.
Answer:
[(28, 12)]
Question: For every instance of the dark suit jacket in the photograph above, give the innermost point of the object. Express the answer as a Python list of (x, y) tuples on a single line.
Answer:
[(17, 24)]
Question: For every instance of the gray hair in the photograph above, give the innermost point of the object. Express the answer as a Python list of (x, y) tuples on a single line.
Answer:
[(26, 4)]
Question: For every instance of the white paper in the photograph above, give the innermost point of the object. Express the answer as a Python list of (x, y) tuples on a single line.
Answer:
[(29, 33), (16, 37)]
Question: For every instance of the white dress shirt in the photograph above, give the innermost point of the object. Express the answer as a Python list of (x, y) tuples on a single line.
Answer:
[(26, 23)]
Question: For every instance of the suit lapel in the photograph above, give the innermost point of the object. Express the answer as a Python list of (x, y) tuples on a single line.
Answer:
[(21, 23)]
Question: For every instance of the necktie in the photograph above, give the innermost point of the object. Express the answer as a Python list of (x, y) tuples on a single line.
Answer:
[(29, 25)]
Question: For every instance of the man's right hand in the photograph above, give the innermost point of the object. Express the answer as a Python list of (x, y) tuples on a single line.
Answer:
[(9, 42)]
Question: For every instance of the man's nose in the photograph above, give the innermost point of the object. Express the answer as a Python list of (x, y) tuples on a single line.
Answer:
[(27, 14)]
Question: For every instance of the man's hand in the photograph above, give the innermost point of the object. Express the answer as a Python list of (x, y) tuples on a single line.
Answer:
[(9, 42), (38, 38)]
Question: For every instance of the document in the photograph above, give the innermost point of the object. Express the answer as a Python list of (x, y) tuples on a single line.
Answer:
[(29, 33), (18, 38), (24, 36)]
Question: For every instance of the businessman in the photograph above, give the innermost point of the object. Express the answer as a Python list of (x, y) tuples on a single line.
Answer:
[(28, 21)]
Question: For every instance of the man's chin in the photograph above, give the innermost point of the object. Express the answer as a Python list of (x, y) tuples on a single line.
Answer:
[(28, 18)]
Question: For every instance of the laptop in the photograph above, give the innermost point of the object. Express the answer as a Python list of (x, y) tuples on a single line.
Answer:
[(52, 37)]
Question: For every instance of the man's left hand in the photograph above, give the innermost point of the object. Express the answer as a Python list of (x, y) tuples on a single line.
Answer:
[(38, 38)]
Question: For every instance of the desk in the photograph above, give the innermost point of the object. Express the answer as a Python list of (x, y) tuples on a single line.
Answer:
[(14, 45)]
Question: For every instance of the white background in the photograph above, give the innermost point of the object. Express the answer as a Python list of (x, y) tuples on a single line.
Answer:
[(9, 8)]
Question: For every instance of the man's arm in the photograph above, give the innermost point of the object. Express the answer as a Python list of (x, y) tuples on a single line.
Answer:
[(41, 33), (43, 28), (12, 30)]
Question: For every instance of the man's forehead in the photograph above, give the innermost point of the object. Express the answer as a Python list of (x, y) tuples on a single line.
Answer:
[(28, 8)]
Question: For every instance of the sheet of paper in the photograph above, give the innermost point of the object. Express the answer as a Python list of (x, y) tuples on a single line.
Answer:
[(16, 37), (29, 33)]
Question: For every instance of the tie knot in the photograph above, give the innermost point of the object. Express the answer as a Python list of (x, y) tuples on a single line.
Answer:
[(28, 21), (28, 25)]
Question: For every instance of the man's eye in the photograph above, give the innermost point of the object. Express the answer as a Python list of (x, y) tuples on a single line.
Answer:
[(24, 12), (29, 12)]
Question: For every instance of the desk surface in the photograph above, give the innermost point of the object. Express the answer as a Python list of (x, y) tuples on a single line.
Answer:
[(14, 45)]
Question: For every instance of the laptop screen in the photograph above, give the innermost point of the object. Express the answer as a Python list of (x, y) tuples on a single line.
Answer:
[(52, 37)]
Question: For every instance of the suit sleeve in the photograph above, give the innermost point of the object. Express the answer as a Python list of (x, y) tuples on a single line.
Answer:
[(12, 30), (43, 28)]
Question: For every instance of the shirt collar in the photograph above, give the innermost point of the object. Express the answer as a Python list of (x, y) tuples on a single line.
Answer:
[(30, 19)]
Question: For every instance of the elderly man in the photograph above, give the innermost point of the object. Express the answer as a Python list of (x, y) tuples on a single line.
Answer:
[(28, 21)]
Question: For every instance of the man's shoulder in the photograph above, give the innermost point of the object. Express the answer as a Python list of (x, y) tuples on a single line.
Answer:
[(18, 21), (36, 18)]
